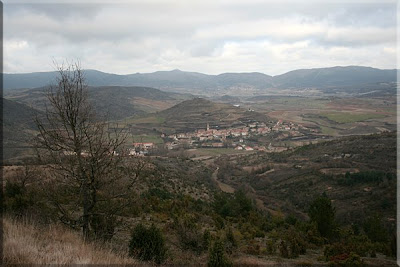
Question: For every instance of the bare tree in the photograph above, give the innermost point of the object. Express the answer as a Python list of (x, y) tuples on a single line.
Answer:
[(79, 149)]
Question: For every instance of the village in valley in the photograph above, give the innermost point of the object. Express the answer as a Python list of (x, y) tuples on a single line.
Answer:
[(244, 137), (193, 133)]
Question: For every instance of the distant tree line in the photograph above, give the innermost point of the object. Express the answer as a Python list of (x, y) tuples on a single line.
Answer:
[(365, 177)]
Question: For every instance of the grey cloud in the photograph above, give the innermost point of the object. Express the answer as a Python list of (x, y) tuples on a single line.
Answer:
[(379, 14), (110, 22), (58, 11), (208, 36)]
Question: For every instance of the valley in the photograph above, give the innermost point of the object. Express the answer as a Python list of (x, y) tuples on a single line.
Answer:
[(244, 169), (198, 133)]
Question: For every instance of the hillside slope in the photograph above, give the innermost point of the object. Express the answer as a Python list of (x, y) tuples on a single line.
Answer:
[(27, 243), (112, 102), (194, 114), (295, 177), (18, 128), (335, 76)]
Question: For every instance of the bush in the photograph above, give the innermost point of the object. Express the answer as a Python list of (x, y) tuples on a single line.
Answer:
[(189, 233), (104, 226), (218, 221), (291, 219), (353, 260), (206, 239), (270, 247), (292, 244), (296, 242), (322, 213), (374, 229), (253, 249), (16, 198), (342, 253), (157, 192), (261, 170), (313, 236), (346, 260), (333, 250), (216, 257), (235, 205), (230, 238), (283, 249), (364, 177), (147, 244)]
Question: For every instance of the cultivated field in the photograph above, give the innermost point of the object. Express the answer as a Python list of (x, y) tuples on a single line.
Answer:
[(333, 116)]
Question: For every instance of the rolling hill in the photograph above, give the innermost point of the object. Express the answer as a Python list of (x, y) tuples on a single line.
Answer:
[(333, 77), (194, 114), (351, 77), (191, 115), (112, 102), (18, 128)]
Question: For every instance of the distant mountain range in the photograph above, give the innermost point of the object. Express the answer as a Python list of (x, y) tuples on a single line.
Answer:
[(352, 77)]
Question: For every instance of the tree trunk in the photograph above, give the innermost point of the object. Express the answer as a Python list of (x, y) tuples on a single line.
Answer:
[(86, 210)]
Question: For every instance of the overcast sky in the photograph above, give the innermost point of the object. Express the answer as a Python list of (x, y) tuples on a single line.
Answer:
[(205, 36)]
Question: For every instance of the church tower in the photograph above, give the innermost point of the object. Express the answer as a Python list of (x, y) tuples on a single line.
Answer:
[(208, 126)]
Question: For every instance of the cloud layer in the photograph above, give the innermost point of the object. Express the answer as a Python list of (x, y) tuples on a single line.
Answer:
[(209, 37)]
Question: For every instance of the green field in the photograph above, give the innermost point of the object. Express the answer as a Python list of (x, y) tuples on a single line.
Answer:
[(288, 103), (143, 138), (217, 151), (146, 139), (148, 119), (328, 130), (341, 117)]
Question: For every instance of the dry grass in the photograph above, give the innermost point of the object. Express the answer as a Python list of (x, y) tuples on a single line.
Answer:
[(26, 243)]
